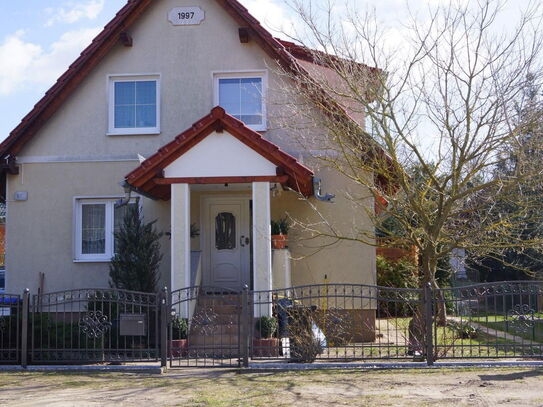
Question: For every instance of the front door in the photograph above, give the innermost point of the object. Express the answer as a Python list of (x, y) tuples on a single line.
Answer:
[(226, 242)]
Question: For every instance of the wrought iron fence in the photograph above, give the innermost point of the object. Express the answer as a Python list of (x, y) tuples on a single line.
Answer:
[(220, 327), (492, 320), (10, 324), (94, 325), (342, 322), (205, 328)]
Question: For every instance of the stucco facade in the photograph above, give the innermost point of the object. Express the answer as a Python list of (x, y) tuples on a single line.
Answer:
[(72, 157)]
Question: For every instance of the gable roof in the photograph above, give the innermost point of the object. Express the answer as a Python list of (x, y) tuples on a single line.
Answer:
[(108, 38), (149, 179)]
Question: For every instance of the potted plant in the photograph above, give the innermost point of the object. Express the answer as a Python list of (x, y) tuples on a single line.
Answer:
[(266, 345), (279, 233), (178, 343)]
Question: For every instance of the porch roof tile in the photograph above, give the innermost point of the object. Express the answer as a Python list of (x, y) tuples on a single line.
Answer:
[(149, 179)]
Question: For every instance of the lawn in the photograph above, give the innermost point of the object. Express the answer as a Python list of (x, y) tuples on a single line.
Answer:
[(220, 387), (529, 330)]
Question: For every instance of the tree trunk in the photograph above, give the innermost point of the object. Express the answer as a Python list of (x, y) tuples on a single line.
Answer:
[(429, 267)]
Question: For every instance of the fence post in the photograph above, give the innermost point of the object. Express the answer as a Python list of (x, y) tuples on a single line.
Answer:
[(428, 320), (24, 328), (164, 318), (245, 330)]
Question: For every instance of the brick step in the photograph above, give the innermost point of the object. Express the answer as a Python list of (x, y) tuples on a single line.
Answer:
[(214, 341), (216, 330)]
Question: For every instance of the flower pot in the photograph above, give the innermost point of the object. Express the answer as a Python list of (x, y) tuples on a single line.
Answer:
[(178, 348), (266, 347), (279, 241)]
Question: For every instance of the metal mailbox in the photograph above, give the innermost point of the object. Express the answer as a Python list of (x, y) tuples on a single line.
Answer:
[(132, 325)]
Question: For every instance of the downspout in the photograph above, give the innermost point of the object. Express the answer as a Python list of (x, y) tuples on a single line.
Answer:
[(317, 184)]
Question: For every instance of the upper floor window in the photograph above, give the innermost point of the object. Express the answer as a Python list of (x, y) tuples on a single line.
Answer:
[(134, 105), (242, 96)]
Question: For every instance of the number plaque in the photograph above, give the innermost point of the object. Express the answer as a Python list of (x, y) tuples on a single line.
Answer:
[(186, 15)]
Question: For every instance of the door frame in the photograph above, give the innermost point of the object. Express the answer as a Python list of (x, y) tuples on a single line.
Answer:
[(205, 200)]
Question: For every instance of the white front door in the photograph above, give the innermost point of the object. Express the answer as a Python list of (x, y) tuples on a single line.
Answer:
[(227, 245)]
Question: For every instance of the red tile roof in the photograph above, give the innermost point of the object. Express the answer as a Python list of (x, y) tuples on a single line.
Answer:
[(108, 38), (148, 175)]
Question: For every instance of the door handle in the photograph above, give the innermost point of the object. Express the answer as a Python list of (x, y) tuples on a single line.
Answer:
[(242, 240)]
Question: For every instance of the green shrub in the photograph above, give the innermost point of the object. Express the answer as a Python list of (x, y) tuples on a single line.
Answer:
[(180, 328), (399, 274), (266, 326), (463, 330), (396, 274), (280, 227)]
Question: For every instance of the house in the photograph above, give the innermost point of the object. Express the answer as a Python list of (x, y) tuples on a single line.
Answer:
[(175, 107)]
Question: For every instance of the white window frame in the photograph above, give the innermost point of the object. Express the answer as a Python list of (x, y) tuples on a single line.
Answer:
[(79, 256), (112, 79), (262, 74)]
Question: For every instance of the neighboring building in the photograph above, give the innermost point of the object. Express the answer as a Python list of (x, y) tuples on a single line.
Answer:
[(147, 87)]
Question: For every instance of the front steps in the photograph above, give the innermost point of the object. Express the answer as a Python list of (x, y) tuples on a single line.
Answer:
[(214, 327)]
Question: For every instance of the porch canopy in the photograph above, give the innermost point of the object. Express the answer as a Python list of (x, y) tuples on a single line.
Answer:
[(219, 149)]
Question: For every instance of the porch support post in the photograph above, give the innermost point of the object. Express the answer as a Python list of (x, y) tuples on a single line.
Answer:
[(180, 239), (262, 264)]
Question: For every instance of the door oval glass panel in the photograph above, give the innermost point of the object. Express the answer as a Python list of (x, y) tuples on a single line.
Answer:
[(225, 231)]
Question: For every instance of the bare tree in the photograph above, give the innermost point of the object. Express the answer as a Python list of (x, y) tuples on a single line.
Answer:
[(438, 109)]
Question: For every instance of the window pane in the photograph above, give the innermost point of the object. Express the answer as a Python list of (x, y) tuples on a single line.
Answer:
[(135, 104), (251, 119), (251, 96), (242, 98), (229, 95), (125, 117), (225, 231), (125, 93), (146, 116), (146, 93), (93, 228), (118, 218)]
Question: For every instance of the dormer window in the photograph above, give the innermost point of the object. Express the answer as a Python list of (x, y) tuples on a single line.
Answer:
[(134, 105), (242, 96)]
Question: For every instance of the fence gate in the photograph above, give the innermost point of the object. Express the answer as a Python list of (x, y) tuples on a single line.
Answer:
[(94, 325), (205, 327), (10, 328)]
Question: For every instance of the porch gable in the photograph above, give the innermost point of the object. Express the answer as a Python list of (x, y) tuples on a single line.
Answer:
[(218, 149)]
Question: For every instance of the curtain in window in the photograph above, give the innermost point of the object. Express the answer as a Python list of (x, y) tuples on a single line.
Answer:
[(93, 229)]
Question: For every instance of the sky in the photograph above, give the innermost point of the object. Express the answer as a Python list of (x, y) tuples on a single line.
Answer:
[(39, 39)]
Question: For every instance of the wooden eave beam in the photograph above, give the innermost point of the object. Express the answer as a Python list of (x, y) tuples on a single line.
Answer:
[(220, 180), (126, 39), (244, 35)]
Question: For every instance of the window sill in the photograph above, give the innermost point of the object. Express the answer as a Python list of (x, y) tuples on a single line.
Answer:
[(98, 260), (134, 133)]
